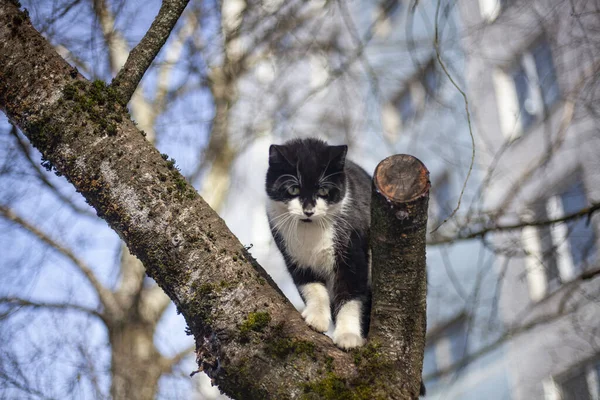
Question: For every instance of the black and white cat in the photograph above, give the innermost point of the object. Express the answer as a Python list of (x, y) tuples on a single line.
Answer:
[(319, 213)]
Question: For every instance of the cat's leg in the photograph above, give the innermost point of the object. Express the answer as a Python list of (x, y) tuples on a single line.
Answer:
[(317, 312), (348, 331), (351, 311), (352, 300)]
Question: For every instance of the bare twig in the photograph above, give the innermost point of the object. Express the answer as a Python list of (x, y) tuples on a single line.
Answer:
[(19, 302), (436, 44), (106, 296), (518, 329), (584, 212), (168, 364)]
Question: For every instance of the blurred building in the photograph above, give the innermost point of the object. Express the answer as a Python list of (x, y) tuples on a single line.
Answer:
[(416, 109), (531, 68), (367, 73), (370, 78)]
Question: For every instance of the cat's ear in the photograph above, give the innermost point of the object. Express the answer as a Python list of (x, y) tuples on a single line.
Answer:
[(337, 156), (277, 155)]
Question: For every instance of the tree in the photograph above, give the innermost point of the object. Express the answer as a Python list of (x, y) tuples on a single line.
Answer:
[(134, 296), (83, 132)]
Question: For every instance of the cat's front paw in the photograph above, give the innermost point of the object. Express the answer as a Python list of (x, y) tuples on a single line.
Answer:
[(317, 318), (347, 340)]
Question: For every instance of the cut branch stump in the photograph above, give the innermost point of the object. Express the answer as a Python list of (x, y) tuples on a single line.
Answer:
[(398, 227)]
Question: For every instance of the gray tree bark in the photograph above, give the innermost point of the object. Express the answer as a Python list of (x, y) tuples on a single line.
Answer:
[(249, 338), (398, 230)]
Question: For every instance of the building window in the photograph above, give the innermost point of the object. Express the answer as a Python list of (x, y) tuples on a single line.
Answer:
[(579, 383), (581, 238), (528, 90), (557, 253), (546, 74), (430, 80), (490, 9), (411, 101), (441, 192), (390, 7), (525, 96), (405, 106), (446, 345)]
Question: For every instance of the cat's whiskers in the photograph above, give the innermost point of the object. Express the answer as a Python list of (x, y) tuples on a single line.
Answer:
[(324, 178), (290, 179), (282, 221)]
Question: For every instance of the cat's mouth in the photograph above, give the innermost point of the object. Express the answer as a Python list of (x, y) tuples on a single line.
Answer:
[(306, 220)]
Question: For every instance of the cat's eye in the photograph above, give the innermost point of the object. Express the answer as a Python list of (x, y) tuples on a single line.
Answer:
[(323, 192), (294, 190)]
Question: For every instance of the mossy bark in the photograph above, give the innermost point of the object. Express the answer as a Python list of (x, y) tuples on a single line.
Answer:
[(249, 338), (398, 227), (85, 134)]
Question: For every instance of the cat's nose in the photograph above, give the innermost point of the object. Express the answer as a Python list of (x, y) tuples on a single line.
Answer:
[(309, 213)]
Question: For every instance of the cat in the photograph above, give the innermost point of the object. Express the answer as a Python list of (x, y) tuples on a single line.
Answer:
[(319, 213)]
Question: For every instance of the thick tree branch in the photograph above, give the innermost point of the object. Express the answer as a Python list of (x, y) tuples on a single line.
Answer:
[(398, 227), (249, 338), (105, 296), (240, 321), (144, 53), (152, 303), (25, 150)]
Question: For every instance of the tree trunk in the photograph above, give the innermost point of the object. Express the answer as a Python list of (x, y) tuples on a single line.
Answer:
[(398, 228), (249, 338), (136, 365), (220, 150)]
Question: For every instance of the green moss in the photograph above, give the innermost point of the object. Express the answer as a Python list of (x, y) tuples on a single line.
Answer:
[(111, 130), (171, 163), (256, 321), (329, 363), (284, 347), (240, 384), (99, 101), (203, 289), (332, 387), (369, 354), (181, 184)]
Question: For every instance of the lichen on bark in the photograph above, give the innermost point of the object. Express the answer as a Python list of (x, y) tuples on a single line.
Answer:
[(86, 135)]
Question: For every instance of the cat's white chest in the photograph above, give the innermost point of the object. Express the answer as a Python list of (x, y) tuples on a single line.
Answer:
[(311, 246)]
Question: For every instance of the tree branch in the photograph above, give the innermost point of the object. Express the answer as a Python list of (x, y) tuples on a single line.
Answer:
[(105, 296), (584, 212), (144, 53), (521, 328), (18, 302), (168, 364), (152, 303), (24, 147)]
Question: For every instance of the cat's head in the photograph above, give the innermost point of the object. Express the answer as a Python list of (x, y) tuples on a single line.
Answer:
[(306, 178)]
